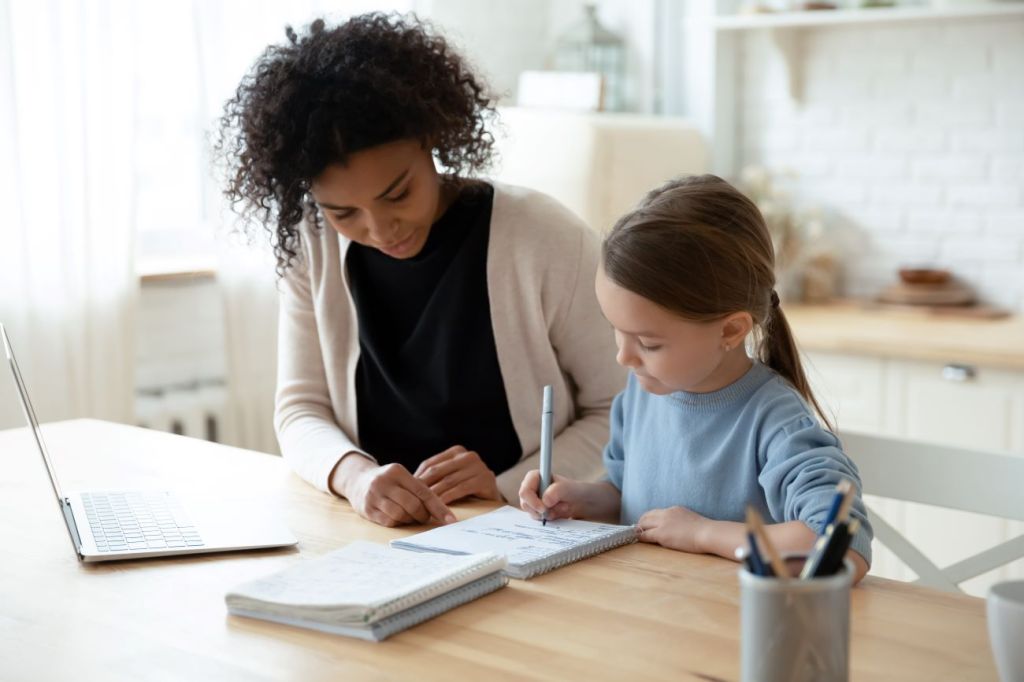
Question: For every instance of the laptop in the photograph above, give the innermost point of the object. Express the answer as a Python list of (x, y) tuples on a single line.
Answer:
[(107, 525)]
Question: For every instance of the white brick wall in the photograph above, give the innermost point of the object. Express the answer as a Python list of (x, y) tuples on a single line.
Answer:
[(913, 134)]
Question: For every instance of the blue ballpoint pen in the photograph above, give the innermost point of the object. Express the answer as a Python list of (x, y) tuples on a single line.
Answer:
[(842, 491), (545, 449), (833, 512)]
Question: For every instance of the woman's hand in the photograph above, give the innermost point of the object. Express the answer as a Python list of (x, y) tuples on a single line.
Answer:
[(675, 528), (388, 495), (457, 473)]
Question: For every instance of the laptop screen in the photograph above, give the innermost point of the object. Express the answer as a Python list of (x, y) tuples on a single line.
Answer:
[(30, 414)]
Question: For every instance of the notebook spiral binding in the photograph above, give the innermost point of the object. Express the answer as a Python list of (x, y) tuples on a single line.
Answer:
[(550, 563), (430, 591), (397, 622)]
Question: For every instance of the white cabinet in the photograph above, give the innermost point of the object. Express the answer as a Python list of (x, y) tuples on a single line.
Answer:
[(850, 388), (960, 405), (966, 406)]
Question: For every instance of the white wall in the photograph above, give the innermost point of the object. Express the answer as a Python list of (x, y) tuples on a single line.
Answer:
[(913, 132), (179, 334), (502, 38)]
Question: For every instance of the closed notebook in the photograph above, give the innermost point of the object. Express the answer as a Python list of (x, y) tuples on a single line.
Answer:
[(368, 590), (531, 548)]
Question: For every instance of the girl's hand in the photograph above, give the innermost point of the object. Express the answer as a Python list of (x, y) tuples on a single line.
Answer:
[(457, 473), (675, 528), (564, 498), (390, 496)]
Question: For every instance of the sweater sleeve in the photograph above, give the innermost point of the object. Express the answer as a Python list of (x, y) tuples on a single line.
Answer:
[(614, 458), (311, 440), (802, 463), (585, 348)]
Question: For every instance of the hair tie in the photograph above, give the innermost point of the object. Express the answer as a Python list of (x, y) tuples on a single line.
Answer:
[(775, 299)]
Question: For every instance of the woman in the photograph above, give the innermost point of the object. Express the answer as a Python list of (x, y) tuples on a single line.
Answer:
[(419, 326)]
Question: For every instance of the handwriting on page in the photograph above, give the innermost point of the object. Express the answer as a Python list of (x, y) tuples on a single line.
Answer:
[(531, 540), (359, 574), (512, 533), (552, 535)]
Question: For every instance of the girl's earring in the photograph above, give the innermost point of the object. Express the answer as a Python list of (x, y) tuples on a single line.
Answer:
[(726, 348)]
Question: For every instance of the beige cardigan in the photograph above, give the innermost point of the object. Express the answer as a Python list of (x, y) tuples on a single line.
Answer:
[(548, 329)]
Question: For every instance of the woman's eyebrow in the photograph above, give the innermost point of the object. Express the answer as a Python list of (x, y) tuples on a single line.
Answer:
[(394, 183)]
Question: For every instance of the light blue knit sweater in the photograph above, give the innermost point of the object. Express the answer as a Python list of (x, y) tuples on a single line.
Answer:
[(753, 442)]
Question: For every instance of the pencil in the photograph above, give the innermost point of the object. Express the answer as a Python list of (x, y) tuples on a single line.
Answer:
[(757, 566), (821, 549), (844, 509), (755, 523)]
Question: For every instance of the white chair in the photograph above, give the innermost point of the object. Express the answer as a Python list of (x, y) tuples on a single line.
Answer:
[(953, 478), (598, 164)]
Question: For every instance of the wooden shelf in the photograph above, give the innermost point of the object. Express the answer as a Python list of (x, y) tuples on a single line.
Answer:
[(880, 15)]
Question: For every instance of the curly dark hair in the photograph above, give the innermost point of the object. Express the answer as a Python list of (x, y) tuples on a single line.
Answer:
[(324, 95)]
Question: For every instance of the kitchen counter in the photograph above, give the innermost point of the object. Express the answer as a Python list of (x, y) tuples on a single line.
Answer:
[(866, 329)]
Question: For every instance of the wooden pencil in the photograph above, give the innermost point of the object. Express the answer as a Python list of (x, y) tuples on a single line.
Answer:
[(756, 525), (844, 509)]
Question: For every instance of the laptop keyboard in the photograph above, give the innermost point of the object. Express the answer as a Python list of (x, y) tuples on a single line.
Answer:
[(138, 521)]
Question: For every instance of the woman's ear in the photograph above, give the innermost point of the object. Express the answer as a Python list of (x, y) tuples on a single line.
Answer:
[(735, 328)]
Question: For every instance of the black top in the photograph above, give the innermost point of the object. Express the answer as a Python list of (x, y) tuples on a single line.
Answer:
[(428, 375)]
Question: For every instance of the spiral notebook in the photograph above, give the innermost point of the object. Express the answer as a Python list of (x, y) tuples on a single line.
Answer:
[(531, 548), (368, 590)]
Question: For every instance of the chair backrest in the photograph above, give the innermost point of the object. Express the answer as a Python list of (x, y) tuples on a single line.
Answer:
[(955, 478), (616, 158)]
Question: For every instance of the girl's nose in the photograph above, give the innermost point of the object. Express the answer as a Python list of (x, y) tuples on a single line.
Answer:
[(624, 357)]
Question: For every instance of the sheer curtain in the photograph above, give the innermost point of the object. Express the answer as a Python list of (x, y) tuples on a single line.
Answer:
[(67, 281), (232, 34)]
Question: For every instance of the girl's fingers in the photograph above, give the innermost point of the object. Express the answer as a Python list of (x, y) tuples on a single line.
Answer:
[(562, 510), (650, 519), (528, 498), (556, 492), (533, 506)]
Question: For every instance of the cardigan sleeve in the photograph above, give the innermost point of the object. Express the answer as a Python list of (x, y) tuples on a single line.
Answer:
[(311, 440), (585, 349)]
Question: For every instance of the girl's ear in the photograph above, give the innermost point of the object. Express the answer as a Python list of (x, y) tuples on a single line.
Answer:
[(735, 328)]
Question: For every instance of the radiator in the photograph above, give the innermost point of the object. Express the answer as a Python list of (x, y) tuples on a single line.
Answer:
[(195, 409)]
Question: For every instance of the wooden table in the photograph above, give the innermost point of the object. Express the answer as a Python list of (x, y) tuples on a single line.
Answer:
[(637, 612)]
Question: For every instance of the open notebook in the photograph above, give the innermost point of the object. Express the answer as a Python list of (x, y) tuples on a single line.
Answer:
[(368, 590), (530, 547)]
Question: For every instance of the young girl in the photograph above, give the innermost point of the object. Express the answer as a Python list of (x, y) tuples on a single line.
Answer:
[(702, 430), (422, 308)]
